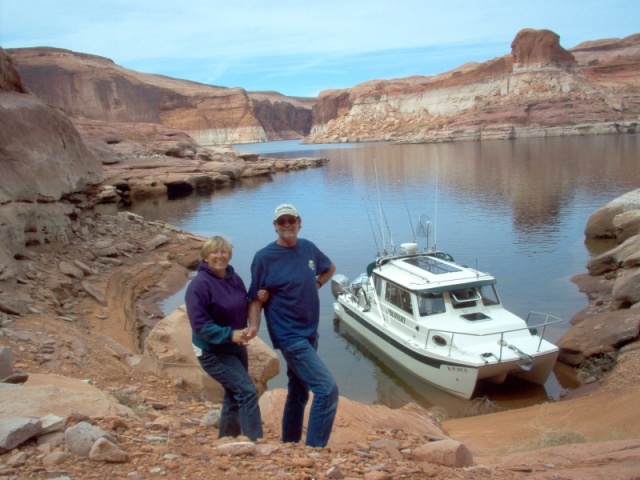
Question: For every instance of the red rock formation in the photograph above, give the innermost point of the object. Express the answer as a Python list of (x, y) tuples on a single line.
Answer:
[(540, 89), (533, 48), (10, 80), (43, 164), (96, 88)]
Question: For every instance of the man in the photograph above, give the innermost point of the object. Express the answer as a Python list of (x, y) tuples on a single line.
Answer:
[(292, 270)]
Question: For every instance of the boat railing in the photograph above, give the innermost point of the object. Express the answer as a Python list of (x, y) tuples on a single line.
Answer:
[(533, 329), (548, 320)]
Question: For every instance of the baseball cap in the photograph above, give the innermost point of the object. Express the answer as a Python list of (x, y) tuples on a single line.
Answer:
[(285, 209)]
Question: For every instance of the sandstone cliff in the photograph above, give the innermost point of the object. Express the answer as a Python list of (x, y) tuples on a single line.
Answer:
[(44, 165), (540, 89), (96, 88)]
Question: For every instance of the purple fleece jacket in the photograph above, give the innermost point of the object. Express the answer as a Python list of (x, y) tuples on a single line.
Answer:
[(216, 306)]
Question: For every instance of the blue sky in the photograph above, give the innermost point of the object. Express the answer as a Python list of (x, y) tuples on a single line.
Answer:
[(301, 47)]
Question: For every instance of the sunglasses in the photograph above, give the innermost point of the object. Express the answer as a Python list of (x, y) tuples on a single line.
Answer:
[(289, 220)]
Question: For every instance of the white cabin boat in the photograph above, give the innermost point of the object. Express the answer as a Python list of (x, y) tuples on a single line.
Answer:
[(443, 321)]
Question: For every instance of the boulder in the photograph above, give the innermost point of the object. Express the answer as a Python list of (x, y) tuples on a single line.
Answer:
[(626, 225), (81, 437), (104, 450), (168, 351), (14, 431), (615, 258), (601, 222), (598, 334), (448, 453), (626, 289)]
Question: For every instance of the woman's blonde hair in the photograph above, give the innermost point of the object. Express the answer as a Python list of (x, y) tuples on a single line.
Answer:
[(216, 243)]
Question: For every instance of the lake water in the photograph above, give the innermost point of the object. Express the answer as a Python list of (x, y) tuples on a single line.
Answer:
[(516, 209)]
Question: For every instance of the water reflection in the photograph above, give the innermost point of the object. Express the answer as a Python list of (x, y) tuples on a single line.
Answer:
[(516, 209)]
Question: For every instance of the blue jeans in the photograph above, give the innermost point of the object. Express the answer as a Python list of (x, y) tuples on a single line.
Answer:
[(306, 371), (240, 410)]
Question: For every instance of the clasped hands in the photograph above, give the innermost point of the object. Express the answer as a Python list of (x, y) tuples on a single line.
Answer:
[(243, 336)]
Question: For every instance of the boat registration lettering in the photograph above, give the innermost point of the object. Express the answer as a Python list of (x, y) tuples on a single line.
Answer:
[(457, 369), (395, 315)]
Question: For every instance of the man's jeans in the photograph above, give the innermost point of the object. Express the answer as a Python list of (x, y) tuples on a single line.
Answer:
[(306, 371), (240, 410)]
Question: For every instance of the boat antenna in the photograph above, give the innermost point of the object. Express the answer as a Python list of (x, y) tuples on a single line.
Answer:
[(424, 228), (377, 221), (384, 246), (393, 247), (373, 232), (435, 228), (410, 222)]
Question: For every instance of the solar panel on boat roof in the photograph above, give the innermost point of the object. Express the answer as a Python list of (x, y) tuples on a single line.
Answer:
[(431, 265)]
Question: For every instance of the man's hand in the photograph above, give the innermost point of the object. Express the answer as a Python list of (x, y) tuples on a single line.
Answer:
[(263, 295), (249, 333)]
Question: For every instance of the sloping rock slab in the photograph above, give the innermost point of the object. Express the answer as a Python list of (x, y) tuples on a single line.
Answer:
[(45, 394)]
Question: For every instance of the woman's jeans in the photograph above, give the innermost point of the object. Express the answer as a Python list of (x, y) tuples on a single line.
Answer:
[(240, 410), (306, 371)]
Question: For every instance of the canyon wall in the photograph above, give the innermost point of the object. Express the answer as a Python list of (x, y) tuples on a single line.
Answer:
[(93, 87), (539, 89), (44, 168)]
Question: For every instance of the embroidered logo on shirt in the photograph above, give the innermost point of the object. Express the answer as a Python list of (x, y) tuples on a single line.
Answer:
[(312, 266)]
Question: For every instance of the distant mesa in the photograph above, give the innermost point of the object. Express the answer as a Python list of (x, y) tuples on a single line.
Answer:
[(539, 89)]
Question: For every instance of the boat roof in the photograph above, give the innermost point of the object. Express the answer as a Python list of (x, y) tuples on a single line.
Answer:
[(426, 273)]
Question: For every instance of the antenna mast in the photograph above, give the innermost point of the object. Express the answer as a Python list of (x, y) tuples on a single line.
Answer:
[(435, 228), (384, 245)]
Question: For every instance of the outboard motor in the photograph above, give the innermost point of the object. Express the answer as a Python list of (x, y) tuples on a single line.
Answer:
[(339, 283)]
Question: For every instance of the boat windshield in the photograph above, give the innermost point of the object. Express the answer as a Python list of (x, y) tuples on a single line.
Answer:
[(489, 295), (430, 304)]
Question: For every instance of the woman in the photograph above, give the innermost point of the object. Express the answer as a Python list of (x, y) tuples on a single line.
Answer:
[(216, 302)]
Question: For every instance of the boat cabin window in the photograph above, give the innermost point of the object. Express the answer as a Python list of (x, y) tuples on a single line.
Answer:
[(464, 298), (489, 295), (399, 297), (430, 304)]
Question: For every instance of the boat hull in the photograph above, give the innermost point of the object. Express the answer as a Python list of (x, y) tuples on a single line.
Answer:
[(446, 373)]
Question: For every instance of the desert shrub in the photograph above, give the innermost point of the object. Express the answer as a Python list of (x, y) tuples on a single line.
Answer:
[(596, 367), (481, 406), (552, 437)]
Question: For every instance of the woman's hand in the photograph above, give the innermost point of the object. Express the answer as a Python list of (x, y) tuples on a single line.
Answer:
[(249, 333), (240, 336)]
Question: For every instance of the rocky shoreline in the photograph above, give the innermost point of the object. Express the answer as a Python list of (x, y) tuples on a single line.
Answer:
[(93, 296)]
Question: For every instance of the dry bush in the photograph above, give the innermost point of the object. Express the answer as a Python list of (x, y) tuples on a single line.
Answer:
[(596, 367), (481, 406), (552, 433)]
